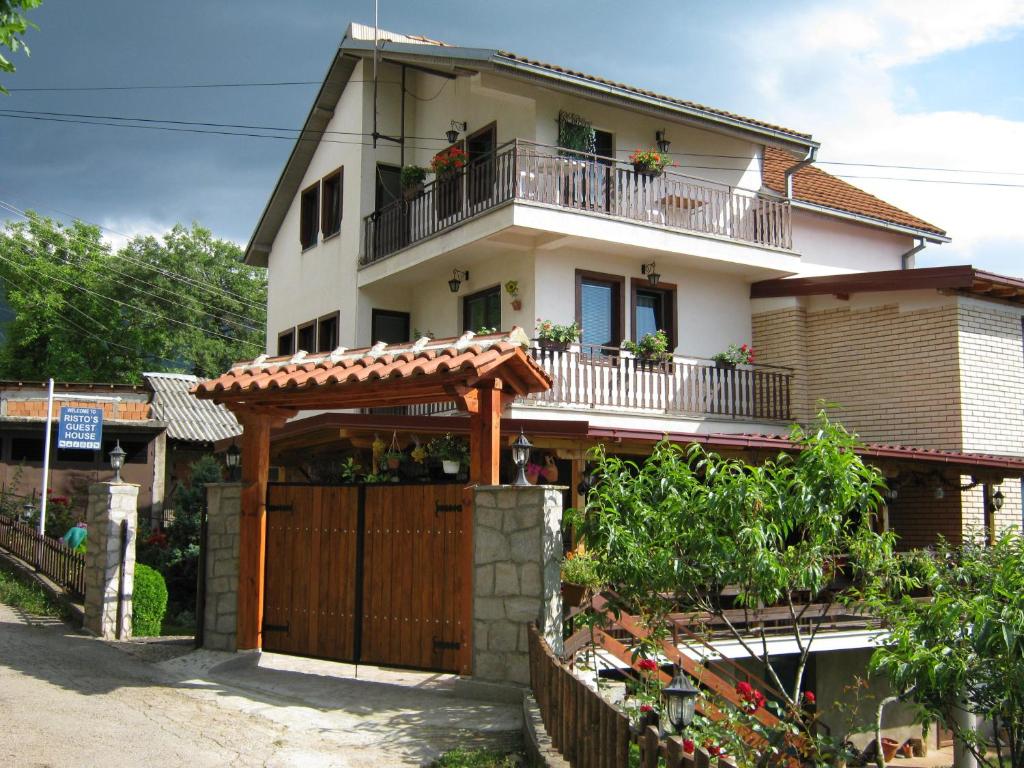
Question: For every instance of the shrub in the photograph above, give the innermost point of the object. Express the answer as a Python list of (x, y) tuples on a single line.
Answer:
[(149, 602)]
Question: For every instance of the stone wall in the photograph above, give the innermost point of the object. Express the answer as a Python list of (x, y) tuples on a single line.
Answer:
[(220, 616), (517, 552), (109, 505)]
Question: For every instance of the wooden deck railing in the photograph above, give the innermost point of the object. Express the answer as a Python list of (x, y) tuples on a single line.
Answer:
[(583, 182), (588, 731), (51, 557), (604, 378)]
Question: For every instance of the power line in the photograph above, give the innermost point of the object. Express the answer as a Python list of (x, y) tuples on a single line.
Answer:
[(70, 89), (935, 181), (921, 168), (212, 289), (139, 308)]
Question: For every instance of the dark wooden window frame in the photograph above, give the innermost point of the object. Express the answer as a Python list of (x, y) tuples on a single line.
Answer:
[(298, 335), (669, 289), (620, 309), (325, 222), (336, 317), (478, 195), (375, 313), (313, 188), (280, 336), (478, 294)]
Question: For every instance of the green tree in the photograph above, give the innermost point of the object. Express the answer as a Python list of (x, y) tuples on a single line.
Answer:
[(184, 302), (962, 649), (13, 26)]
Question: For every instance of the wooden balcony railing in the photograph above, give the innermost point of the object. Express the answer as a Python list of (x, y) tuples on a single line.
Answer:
[(588, 183), (605, 378)]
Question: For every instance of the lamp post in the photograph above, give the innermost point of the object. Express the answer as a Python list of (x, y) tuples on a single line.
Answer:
[(232, 458), (26, 511), (520, 455), (117, 461), (681, 701)]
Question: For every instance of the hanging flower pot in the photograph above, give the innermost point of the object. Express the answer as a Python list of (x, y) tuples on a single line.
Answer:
[(450, 466)]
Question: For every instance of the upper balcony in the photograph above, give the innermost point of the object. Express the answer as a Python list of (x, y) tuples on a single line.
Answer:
[(555, 178)]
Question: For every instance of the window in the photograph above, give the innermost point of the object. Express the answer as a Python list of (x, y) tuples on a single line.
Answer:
[(327, 332), (653, 310), (482, 310), (599, 308), (480, 148), (306, 337), (286, 342), (135, 452), (332, 199), (389, 327), (604, 146), (27, 449), (309, 216)]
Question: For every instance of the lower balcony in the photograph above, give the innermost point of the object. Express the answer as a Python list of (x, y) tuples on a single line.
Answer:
[(611, 380)]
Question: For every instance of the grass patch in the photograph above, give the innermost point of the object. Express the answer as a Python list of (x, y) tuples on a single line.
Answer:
[(475, 758), (19, 593)]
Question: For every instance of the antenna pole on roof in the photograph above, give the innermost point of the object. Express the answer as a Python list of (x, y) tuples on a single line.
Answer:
[(376, 49)]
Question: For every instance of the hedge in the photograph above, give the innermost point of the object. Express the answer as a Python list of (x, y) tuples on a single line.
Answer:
[(149, 603)]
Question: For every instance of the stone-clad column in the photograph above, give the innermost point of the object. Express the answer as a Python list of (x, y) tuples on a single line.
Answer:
[(517, 543), (220, 615), (109, 505)]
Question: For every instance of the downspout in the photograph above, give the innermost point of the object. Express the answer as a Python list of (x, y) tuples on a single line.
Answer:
[(905, 258), (812, 155)]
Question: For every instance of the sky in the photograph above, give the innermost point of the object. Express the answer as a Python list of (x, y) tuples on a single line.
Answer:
[(920, 83)]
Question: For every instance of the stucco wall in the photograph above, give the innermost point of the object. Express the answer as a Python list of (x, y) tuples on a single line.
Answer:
[(828, 245)]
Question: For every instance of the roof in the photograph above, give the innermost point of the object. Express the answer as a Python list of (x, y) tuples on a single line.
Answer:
[(426, 370), (963, 279), (818, 188), (189, 418), (414, 49)]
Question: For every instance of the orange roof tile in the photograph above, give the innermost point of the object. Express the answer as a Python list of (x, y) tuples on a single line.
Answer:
[(813, 185), (468, 357)]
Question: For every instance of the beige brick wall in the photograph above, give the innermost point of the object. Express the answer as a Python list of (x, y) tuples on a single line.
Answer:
[(894, 375)]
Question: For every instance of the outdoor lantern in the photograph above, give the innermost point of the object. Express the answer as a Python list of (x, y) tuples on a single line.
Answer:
[(997, 500), (681, 698), (233, 457), (27, 509), (458, 276), (652, 276), (452, 134), (520, 455), (939, 492), (662, 142), (117, 461)]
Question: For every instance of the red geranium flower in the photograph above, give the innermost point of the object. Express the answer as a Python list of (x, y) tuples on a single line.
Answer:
[(646, 708), (809, 697), (647, 665), (688, 746)]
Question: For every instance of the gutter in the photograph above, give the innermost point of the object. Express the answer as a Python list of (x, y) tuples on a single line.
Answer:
[(931, 237), (905, 257)]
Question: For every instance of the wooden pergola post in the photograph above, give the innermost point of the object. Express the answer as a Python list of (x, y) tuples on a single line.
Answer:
[(485, 432)]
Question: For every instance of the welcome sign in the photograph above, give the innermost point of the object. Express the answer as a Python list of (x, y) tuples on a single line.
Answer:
[(80, 428)]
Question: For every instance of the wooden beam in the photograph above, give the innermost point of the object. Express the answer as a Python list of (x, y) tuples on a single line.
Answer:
[(256, 427), (485, 434)]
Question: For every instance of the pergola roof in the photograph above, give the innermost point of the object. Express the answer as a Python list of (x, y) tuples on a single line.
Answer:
[(423, 371)]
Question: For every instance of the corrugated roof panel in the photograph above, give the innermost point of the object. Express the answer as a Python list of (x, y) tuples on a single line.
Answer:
[(189, 418)]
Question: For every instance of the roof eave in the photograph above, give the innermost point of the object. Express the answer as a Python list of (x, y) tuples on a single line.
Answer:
[(871, 221)]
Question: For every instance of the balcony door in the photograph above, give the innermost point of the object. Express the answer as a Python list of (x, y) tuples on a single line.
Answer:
[(391, 222), (599, 310), (480, 147), (654, 309), (482, 310)]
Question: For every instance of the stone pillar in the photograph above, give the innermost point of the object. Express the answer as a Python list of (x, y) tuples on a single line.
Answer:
[(517, 553), (109, 505), (220, 613)]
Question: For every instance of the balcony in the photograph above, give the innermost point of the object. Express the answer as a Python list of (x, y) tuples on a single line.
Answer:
[(535, 174), (608, 380)]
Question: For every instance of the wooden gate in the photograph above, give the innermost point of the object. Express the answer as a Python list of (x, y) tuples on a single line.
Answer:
[(368, 574)]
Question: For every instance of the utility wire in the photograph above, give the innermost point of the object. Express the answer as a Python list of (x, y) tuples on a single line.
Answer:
[(213, 289)]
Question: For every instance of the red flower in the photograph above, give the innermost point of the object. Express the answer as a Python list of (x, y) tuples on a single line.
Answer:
[(713, 749), (744, 689), (688, 746), (646, 708), (809, 697), (647, 665), (752, 699)]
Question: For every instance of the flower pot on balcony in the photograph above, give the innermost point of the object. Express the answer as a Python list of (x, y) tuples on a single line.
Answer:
[(573, 595), (554, 346), (412, 191), (725, 364), (641, 169), (450, 467)]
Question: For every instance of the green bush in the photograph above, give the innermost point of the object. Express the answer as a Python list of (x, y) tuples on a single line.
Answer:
[(149, 603)]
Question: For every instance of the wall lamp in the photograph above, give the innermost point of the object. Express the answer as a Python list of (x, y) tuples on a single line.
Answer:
[(997, 500), (458, 276), (233, 459), (452, 134), (648, 270), (661, 141)]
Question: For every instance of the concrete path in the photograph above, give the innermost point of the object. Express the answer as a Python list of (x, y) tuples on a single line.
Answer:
[(70, 700)]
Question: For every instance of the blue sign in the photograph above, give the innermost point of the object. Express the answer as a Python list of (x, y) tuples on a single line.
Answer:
[(80, 428)]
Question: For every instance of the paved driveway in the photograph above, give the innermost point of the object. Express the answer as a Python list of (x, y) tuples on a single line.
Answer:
[(70, 700)]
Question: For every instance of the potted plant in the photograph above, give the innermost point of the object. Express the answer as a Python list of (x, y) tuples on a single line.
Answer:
[(393, 459), (412, 177), (556, 337), (651, 349), (448, 162), (451, 451), (512, 289), (649, 162), (736, 354), (579, 576)]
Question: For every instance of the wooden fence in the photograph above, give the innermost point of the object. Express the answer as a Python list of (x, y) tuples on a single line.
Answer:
[(51, 557), (588, 731)]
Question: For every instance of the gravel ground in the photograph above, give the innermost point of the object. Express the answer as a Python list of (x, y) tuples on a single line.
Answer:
[(70, 700)]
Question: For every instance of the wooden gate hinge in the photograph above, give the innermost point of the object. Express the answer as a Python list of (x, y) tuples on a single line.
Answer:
[(446, 645), (279, 507), (439, 508), (275, 627)]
